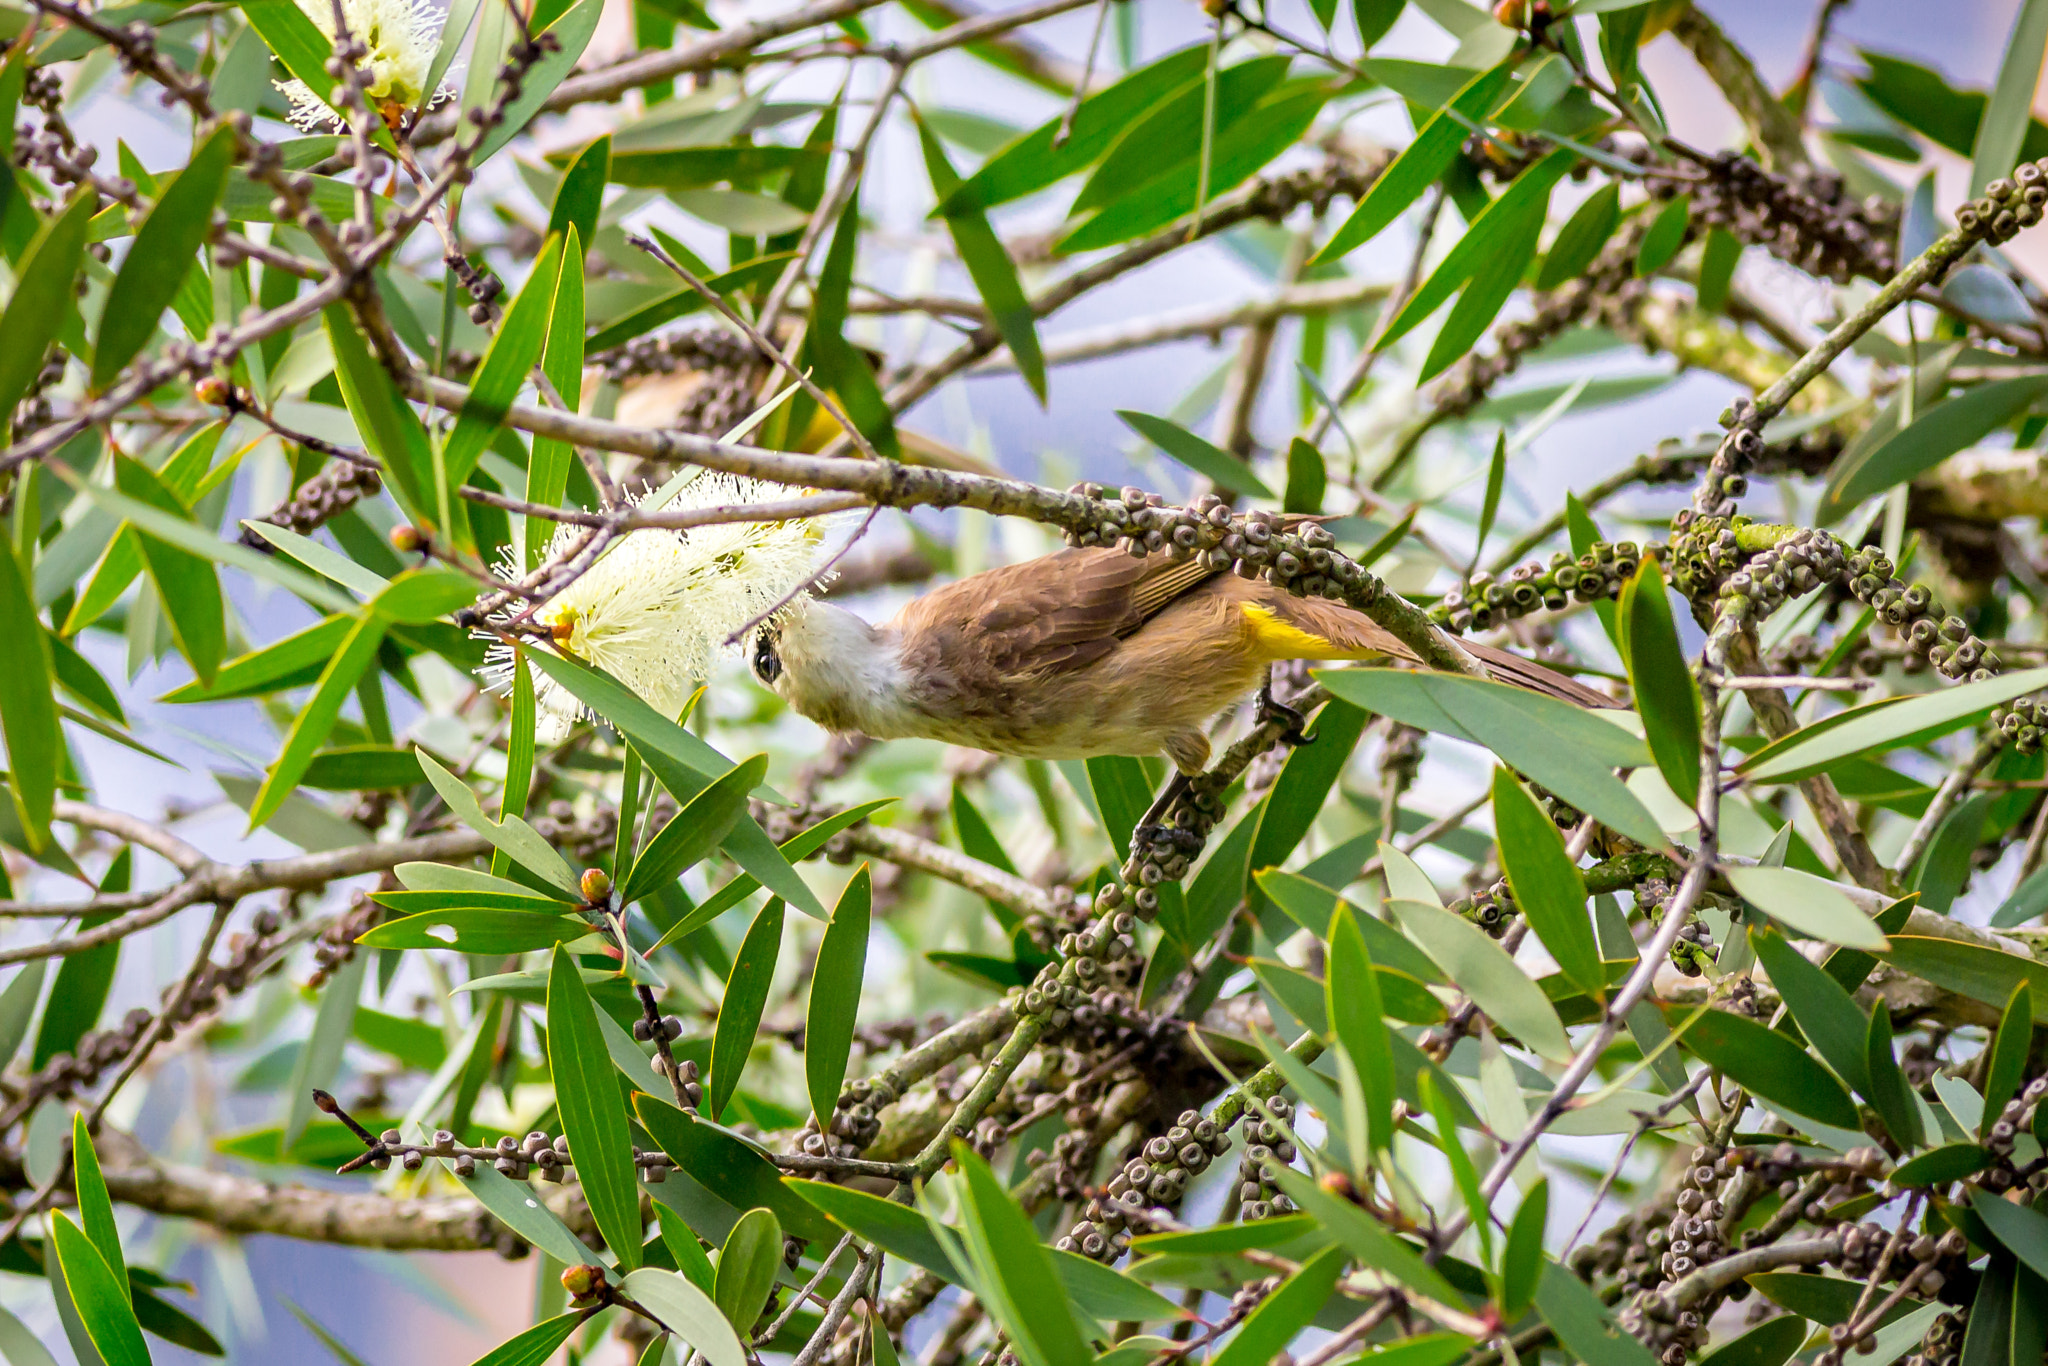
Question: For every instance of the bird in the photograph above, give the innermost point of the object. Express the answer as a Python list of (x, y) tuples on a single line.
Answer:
[(1081, 653)]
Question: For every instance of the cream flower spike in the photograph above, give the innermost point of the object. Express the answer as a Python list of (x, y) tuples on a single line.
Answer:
[(654, 612), (401, 36)]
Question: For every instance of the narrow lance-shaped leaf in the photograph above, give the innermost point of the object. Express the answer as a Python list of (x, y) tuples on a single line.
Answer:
[(165, 250), (95, 1207), (547, 469), (2003, 130), (1665, 692), (2007, 1066), (579, 198), (519, 746), (185, 583), (1891, 1095), (316, 719), (747, 1267), (990, 266), (740, 1008), (1581, 238), (1420, 163), (835, 996), (1831, 1021), (1487, 974), (42, 299), (512, 354), (1359, 1020), (319, 1058), (100, 1299), (1269, 1328), (593, 1114), (1521, 1260), (28, 710), (1016, 1275), (1547, 885)]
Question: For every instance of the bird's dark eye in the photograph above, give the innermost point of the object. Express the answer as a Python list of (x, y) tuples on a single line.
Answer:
[(767, 664)]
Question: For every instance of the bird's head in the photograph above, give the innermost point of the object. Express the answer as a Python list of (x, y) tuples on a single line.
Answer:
[(831, 666)]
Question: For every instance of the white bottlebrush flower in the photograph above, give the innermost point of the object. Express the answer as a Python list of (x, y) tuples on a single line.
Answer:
[(655, 610), (401, 36)]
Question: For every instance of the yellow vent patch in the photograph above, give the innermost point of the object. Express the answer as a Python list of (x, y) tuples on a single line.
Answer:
[(1274, 639)]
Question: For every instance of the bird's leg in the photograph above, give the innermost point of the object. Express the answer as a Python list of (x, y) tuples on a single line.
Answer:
[(1271, 708), (1151, 831)]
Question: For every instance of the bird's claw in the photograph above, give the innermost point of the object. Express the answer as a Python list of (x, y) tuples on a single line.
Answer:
[(1271, 709)]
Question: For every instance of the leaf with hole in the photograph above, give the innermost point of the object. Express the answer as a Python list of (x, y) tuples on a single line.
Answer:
[(477, 931)]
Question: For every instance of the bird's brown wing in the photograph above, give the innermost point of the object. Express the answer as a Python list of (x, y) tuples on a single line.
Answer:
[(1051, 615)]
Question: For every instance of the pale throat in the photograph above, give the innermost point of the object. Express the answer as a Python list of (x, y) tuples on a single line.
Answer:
[(845, 674)]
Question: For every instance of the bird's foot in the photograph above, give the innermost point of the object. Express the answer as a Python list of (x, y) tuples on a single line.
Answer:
[(1271, 709)]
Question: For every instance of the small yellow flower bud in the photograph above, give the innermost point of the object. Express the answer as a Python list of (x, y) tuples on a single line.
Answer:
[(583, 1282), (596, 885), (406, 539), (211, 389)]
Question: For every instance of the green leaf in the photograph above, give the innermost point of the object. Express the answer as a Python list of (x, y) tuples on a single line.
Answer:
[(682, 1244), (547, 470), (1436, 1101), (1547, 885), (978, 840), (1890, 1094), (747, 1267), (1665, 692), (2022, 1230), (2003, 131), (95, 1207), (593, 1116), (28, 710), (1269, 1328), (419, 596), (721, 1163), (685, 168), (295, 660), (834, 1002), (800, 846), (837, 365), (685, 765), (514, 351), (1502, 227), (1934, 435), (1521, 1263), (1169, 135), (1831, 1021), (362, 768), (1487, 974), (897, 1229), (1767, 1063), (1015, 1274), (42, 301), (2007, 1066), (1363, 1236), (1718, 259), (1875, 728), (1568, 750), (316, 719), (682, 302), (684, 1309), (1305, 782), (1826, 1300), (740, 1008), (1811, 905), (518, 839), (1359, 1021), (694, 831), (1032, 162), (389, 427), (477, 931), (1307, 479), (184, 582), (519, 1209), (580, 196), (537, 1344), (1583, 1324), (1511, 247), (989, 265), (572, 31), (1210, 461), (100, 1298), (77, 996), (166, 246), (1939, 1166), (1987, 1337), (1420, 163), (18, 1007), (1987, 974), (1663, 238), (1581, 237), (1240, 149)]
